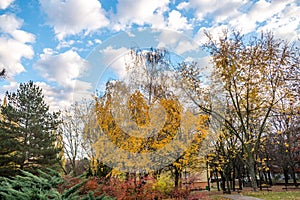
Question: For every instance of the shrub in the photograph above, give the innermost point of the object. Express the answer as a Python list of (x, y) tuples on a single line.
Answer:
[(28, 186)]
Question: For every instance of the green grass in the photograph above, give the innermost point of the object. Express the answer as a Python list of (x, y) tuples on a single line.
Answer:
[(289, 195)]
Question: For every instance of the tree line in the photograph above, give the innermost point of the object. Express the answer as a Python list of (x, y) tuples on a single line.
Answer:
[(245, 114)]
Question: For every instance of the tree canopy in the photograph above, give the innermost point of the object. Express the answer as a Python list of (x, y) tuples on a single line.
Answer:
[(27, 131)]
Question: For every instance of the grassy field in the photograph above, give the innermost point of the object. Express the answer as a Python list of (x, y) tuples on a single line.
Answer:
[(275, 194), (289, 195)]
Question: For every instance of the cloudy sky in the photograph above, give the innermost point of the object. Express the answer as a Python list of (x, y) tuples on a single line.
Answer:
[(62, 45)]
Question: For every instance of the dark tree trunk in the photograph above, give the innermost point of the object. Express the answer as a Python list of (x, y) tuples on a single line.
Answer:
[(223, 181), (177, 175), (233, 179), (227, 177), (217, 178), (286, 176), (269, 177), (293, 174)]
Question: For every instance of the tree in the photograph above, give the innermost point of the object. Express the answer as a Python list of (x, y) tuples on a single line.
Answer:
[(71, 129), (283, 143), (143, 118), (2, 73), (27, 131), (253, 74)]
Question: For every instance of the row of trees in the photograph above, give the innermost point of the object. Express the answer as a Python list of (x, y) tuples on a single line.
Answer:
[(258, 127), (158, 117)]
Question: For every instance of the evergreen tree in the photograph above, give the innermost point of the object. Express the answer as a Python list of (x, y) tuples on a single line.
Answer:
[(27, 131)]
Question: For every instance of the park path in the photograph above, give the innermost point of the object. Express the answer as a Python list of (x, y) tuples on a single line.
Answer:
[(240, 197)]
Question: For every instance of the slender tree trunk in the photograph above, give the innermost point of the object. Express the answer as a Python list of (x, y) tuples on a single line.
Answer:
[(176, 174), (294, 176), (269, 177), (252, 172), (260, 180), (227, 177), (73, 163), (217, 178), (239, 177), (233, 178), (286, 176), (223, 181)]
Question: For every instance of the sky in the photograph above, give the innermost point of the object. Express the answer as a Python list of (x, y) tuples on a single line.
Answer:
[(69, 47)]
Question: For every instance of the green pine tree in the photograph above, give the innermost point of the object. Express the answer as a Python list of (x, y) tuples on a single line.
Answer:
[(27, 132)]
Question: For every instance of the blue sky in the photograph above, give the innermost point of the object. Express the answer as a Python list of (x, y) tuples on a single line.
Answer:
[(52, 42)]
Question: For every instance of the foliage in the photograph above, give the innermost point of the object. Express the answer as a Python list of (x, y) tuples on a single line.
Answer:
[(48, 185), (27, 131), (253, 75), (29, 186), (145, 115), (131, 188), (164, 183)]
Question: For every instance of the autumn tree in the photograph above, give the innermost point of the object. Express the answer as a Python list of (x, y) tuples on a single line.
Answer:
[(27, 131), (283, 143), (252, 73), (144, 121)]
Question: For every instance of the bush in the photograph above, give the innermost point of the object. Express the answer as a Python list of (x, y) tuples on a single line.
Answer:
[(48, 185), (131, 189), (164, 184)]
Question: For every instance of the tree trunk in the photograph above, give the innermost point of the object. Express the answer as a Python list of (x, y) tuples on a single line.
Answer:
[(294, 176), (286, 176), (217, 178), (177, 175), (239, 177), (233, 178), (227, 177), (251, 166), (223, 181), (269, 177)]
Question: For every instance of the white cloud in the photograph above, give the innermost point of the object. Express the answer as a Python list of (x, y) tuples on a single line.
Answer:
[(169, 39), (97, 41), (263, 10), (9, 23), (70, 17), (286, 24), (217, 9), (5, 3), (116, 59), (177, 22), (243, 23), (65, 44), (14, 45), (186, 46), (59, 98), (13, 85), (63, 68), (183, 5), (141, 12), (279, 16), (215, 31), (176, 42)]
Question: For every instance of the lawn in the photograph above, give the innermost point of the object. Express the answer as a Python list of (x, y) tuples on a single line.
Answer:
[(276, 194), (289, 195)]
